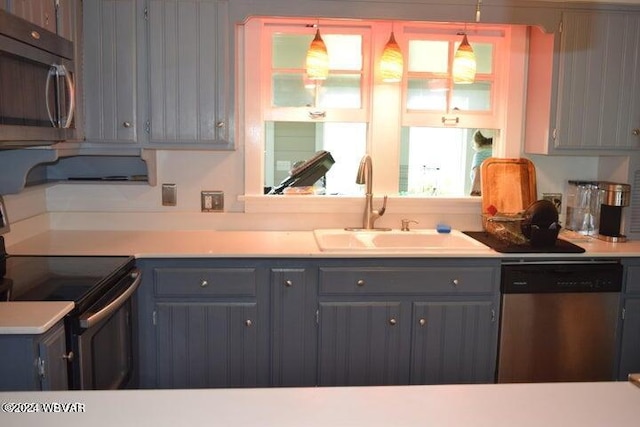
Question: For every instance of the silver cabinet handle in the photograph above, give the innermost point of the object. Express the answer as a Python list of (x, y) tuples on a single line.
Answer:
[(288, 283), (360, 282), (204, 284), (126, 124), (422, 321), (393, 321), (455, 282), (248, 322), (113, 306), (219, 125), (68, 357), (636, 132)]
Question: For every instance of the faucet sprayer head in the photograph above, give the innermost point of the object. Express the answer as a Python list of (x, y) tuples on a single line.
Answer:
[(361, 178)]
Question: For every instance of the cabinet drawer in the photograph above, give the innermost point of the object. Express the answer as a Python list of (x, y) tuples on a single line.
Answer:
[(372, 280), (633, 279), (205, 281)]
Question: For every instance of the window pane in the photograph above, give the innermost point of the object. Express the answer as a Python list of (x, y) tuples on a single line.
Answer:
[(289, 91), (345, 51), (289, 143), (484, 57), (290, 50), (428, 56), (438, 161), (340, 91), (472, 97), (427, 94)]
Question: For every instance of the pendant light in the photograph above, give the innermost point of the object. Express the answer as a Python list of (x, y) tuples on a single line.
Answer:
[(464, 63), (391, 63), (317, 62)]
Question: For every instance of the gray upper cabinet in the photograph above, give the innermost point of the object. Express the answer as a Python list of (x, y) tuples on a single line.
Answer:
[(157, 74), (110, 52), (583, 88), (188, 73)]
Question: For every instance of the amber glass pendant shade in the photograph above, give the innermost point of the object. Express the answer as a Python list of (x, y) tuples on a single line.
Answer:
[(317, 62), (391, 63), (464, 63)]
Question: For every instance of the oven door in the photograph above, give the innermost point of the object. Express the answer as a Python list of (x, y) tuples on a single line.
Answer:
[(103, 341)]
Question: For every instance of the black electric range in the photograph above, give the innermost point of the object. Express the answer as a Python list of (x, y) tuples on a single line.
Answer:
[(79, 279), (498, 245)]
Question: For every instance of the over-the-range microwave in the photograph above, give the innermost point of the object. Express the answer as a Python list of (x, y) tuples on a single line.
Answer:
[(37, 91)]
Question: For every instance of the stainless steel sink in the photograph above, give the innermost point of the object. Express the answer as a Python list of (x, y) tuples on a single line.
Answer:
[(396, 241)]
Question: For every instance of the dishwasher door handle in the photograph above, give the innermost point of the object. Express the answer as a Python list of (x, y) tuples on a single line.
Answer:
[(113, 306)]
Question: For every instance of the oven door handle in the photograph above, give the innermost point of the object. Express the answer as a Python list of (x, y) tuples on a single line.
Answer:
[(113, 306)]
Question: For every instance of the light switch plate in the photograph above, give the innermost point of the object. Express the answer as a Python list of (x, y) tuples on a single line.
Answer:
[(169, 194), (212, 201)]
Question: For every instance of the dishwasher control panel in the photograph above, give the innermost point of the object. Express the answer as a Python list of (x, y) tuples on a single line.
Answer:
[(561, 277)]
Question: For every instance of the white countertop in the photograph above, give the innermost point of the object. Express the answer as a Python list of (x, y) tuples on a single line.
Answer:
[(31, 318), (494, 405), (290, 244)]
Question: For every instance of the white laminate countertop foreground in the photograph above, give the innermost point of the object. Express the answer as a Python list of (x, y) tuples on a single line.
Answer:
[(31, 318), (206, 243), (495, 405)]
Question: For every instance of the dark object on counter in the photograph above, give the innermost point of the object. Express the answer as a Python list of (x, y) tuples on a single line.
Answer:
[(559, 246), (308, 173), (541, 214)]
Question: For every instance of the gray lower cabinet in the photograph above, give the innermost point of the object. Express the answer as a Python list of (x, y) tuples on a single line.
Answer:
[(453, 342), (204, 345), (34, 362), (275, 322), (362, 343), (432, 322), (630, 322), (630, 344)]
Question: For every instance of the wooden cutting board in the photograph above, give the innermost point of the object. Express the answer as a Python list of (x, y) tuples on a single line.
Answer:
[(508, 184)]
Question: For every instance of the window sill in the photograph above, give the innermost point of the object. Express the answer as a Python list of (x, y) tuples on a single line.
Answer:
[(351, 204)]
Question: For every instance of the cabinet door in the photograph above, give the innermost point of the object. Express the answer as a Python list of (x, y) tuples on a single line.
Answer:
[(293, 328), (201, 345), (362, 343), (630, 346), (41, 12), (110, 70), (187, 70), (52, 363), (599, 81), (453, 342)]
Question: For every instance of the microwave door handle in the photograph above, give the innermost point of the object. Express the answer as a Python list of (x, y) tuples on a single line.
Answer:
[(113, 306), (53, 71), (72, 96)]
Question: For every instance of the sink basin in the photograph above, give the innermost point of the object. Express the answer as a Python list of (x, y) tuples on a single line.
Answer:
[(396, 241)]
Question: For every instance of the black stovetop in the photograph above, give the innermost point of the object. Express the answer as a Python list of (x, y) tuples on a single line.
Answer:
[(560, 246)]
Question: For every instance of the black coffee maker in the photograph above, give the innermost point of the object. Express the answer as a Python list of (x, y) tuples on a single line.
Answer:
[(615, 197)]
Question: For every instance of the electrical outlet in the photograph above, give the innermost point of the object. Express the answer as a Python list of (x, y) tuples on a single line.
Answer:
[(169, 194), (212, 201)]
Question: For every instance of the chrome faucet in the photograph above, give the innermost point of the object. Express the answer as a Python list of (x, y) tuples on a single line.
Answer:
[(365, 176)]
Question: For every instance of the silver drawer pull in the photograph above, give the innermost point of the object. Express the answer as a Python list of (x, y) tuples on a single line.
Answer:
[(393, 321), (204, 284), (248, 322), (455, 282), (422, 322), (288, 283), (126, 124), (360, 282)]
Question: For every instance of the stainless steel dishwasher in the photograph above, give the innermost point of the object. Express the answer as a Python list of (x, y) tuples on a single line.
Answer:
[(558, 321)]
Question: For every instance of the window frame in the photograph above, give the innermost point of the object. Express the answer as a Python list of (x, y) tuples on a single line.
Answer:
[(384, 123)]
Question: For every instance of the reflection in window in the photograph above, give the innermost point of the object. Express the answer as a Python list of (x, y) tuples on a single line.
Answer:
[(438, 161), (289, 143)]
